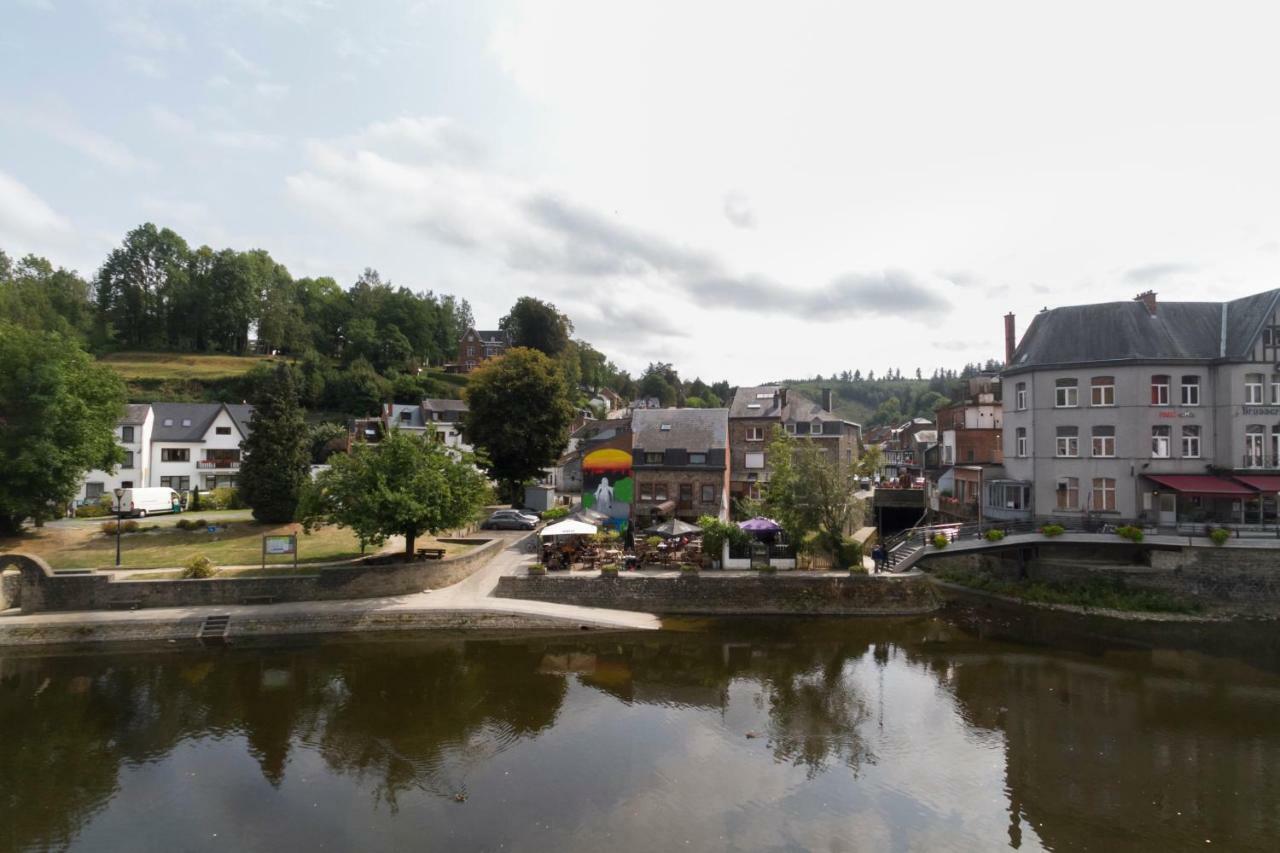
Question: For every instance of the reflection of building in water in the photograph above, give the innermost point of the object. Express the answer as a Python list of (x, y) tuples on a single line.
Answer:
[(1116, 752)]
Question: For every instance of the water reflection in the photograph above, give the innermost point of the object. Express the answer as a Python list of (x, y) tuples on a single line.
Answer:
[(911, 734)]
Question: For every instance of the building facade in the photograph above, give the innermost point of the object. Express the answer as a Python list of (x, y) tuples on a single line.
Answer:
[(1162, 412), (971, 449), (679, 464), (133, 434), (476, 345)]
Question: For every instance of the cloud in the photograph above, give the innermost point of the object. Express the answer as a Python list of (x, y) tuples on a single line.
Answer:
[(613, 322), (90, 143), (738, 210), (170, 122), (888, 293), (143, 32), (24, 215), (1154, 272), (960, 278), (145, 66), (242, 62), (242, 140), (954, 346), (273, 91)]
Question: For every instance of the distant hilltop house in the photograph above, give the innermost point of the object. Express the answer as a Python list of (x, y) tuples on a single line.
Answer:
[(177, 445), (475, 346), (439, 418)]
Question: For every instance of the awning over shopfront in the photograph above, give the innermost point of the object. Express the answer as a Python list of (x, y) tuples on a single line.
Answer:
[(665, 508), (1202, 484), (1262, 482)]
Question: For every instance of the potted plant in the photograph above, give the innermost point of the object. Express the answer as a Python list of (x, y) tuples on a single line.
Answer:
[(537, 570), (688, 568), (1052, 530), (940, 541), (1219, 535), (609, 570), (1128, 531), (994, 535)]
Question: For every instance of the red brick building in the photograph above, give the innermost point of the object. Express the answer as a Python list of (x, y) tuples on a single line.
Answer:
[(476, 346)]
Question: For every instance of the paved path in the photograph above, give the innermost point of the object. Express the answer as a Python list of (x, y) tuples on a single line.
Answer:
[(470, 596)]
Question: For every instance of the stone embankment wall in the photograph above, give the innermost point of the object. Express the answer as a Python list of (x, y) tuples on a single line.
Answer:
[(711, 593), (1246, 579), (42, 589), (10, 582)]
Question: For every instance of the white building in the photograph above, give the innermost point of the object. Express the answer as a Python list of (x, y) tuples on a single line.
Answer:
[(439, 418), (178, 445)]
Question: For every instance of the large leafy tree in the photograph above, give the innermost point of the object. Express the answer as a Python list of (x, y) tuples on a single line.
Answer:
[(34, 295), (277, 451), (538, 325), (58, 412), (519, 415), (138, 283), (811, 492), (405, 485)]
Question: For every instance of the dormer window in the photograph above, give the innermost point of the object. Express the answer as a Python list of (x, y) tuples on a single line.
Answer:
[(816, 427), (665, 428), (405, 417), (186, 422), (697, 459), (753, 405), (168, 422), (764, 396)]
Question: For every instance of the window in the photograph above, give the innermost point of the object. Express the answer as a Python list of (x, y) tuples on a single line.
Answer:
[(1008, 495), (1021, 396), (405, 417), (128, 459), (175, 454), (1102, 391), (1253, 439), (646, 491), (180, 484), (1104, 494), (697, 459), (1275, 389), (168, 421), (1020, 438), (1068, 441), (1104, 441), (653, 458), (1253, 388), (186, 421), (1191, 390), (755, 433), (754, 460), (126, 484), (1191, 442), (1066, 394), (816, 427), (126, 434), (1160, 390), (708, 494), (1161, 440), (1068, 493), (227, 430), (659, 491), (92, 491)]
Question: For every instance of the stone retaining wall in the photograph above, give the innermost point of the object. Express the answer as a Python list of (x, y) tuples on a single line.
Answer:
[(711, 593), (42, 589), (10, 583), (1243, 579)]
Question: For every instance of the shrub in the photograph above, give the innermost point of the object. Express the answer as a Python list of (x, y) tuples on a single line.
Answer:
[(93, 510), (716, 532), (197, 568), (195, 500), (688, 568), (1133, 534), (1052, 530), (653, 541), (940, 541), (994, 535), (1220, 535), (537, 569), (850, 554), (223, 498), (555, 512), (609, 570), (129, 526)]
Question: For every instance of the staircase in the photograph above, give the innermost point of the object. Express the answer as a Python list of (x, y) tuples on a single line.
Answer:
[(214, 629), (903, 556)]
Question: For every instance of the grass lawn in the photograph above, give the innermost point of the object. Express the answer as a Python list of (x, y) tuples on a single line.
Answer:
[(161, 365), (237, 543)]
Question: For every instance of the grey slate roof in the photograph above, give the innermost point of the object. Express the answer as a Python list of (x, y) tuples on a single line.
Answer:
[(691, 429), (798, 407), (135, 414), (1125, 331), (414, 412), (496, 336), (190, 421)]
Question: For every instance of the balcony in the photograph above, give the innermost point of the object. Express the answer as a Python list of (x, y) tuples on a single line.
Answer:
[(1258, 461), (217, 464)]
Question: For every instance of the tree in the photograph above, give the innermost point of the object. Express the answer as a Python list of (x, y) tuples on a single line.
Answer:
[(519, 415), (275, 466), (405, 485), (538, 325), (58, 413), (137, 283), (870, 462), (810, 492)]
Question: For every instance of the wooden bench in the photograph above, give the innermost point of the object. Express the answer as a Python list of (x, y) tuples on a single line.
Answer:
[(431, 553)]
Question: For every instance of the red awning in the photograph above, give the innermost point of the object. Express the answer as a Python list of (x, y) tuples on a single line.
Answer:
[(1261, 482), (1202, 484)]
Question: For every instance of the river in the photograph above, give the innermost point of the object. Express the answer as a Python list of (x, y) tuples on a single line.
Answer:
[(968, 731)]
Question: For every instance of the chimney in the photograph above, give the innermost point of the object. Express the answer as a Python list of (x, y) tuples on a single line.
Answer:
[(826, 399), (782, 398), (1010, 340), (1147, 298)]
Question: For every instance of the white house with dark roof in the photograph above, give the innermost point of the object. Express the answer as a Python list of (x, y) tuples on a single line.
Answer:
[(439, 418), (133, 434), (1167, 412)]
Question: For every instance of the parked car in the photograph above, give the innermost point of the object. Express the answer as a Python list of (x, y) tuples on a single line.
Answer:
[(510, 519), (141, 502), (864, 483)]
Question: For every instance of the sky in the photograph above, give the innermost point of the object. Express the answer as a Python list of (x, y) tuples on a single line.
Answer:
[(752, 191)]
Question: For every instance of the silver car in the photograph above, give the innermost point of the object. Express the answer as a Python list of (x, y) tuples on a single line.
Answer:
[(510, 519)]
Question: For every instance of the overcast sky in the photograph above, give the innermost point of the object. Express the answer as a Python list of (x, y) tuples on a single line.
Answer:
[(752, 191)]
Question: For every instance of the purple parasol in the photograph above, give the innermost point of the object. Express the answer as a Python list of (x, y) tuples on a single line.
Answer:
[(760, 525)]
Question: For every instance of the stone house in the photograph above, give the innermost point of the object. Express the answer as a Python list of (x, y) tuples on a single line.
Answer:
[(477, 345), (680, 464)]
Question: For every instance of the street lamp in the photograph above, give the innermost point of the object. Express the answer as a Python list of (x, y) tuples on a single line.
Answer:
[(119, 496)]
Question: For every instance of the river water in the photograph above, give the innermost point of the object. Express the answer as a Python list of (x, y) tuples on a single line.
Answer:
[(969, 731)]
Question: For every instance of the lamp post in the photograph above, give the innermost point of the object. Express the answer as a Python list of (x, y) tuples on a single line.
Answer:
[(119, 495)]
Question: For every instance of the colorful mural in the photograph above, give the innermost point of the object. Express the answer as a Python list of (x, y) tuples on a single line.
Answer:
[(607, 485)]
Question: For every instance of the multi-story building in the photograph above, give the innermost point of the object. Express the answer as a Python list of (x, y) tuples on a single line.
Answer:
[(679, 464), (439, 418), (178, 445), (971, 449), (1164, 412), (476, 345), (758, 410)]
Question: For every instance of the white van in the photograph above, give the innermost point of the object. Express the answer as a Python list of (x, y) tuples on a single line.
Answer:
[(144, 502)]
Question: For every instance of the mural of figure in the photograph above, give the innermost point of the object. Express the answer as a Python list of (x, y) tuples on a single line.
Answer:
[(604, 497)]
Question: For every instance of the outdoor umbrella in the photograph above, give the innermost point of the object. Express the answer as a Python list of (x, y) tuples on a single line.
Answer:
[(568, 527), (674, 527), (590, 516), (760, 525)]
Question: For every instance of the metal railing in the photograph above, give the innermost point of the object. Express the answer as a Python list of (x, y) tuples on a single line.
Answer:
[(1260, 460), (216, 464)]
